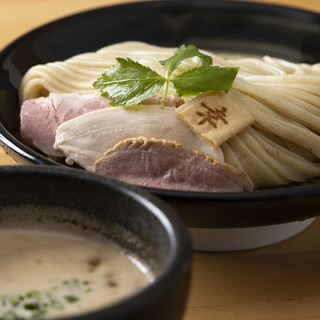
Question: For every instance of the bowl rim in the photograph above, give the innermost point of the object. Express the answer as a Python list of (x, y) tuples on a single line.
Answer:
[(24, 154), (179, 258)]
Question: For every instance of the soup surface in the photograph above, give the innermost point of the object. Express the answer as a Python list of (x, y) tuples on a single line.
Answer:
[(46, 274)]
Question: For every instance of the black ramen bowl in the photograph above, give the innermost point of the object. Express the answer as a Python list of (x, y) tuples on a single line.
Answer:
[(140, 223), (230, 26)]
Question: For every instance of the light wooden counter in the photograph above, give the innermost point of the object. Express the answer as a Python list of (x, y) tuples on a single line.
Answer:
[(277, 282)]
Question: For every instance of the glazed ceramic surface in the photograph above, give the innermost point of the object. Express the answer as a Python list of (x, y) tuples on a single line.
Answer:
[(215, 25), (134, 219)]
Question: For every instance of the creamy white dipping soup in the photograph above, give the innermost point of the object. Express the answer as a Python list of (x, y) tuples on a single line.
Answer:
[(47, 274)]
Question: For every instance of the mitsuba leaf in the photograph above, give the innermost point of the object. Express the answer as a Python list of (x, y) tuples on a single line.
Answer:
[(183, 53), (198, 80), (129, 83)]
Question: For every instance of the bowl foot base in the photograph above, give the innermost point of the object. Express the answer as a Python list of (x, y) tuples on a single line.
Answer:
[(236, 239)]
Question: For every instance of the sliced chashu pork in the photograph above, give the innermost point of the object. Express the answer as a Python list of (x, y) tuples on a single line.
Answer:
[(165, 164), (41, 117), (86, 138)]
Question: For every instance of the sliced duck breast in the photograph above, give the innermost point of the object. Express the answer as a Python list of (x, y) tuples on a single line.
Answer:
[(165, 164), (86, 138), (41, 117)]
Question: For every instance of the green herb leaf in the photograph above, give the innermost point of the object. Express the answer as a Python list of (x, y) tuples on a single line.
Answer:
[(10, 315), (33, 294), (14, 301), (36, 314), (198, 80), (71, 298), (184, 53), (129, 83), (31, 306)]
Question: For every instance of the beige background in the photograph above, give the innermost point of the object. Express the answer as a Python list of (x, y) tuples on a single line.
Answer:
[(277, 282)]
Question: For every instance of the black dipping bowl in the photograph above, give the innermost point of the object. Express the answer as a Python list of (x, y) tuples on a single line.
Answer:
[(232, 26), (135, 219)]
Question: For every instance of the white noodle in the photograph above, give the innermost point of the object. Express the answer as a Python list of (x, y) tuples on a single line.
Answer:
[(282, 146)]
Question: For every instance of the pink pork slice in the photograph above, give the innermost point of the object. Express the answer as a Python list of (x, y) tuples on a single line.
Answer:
[(160, 163), (41, 117)]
